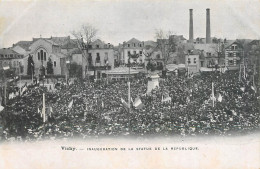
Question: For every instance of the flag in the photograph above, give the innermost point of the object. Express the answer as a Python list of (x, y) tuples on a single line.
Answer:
[(1, 108), (50, 111), (253, 88), (124, 103), (212, 95), (24, 89), (138, 103), (102, 104), (167, 99), (243, 89), (219, 98), (70, 104)]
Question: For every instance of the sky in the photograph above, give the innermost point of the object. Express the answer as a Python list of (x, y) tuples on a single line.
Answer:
[(120, 20)]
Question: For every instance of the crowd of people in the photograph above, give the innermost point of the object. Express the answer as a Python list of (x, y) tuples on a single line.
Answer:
[(214, 103)]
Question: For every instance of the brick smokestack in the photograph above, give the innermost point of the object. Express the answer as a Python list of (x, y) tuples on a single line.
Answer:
[(208, 36), (191, 27)]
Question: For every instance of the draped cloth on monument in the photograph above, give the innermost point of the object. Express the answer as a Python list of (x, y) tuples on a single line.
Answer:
[(152, 82)]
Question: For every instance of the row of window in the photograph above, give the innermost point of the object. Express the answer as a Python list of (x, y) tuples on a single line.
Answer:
[(134, 45), (140, 52), (194, 60), (98, 46), (97, 58), (233, 54), (14, 63), (42, 55), (11, 56)]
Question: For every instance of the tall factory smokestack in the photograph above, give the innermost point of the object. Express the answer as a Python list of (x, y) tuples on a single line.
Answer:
[(191, 27), (208, 38)]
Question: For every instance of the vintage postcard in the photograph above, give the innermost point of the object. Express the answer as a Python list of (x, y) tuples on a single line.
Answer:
[(129, 84)]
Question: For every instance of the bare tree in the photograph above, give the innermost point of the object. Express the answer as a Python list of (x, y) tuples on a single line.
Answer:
[(166, 45), (84, 37)]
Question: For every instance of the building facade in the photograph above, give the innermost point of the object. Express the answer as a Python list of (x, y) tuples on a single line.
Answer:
[(41, 49), (14, 60), (234, 54), (134, 48), (100, 58)]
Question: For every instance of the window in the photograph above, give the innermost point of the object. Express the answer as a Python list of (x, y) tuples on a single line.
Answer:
[(89, 46), (2, 56), (97, 46), (238, 54), (39, 56), (44, 56), (158, 56), (140, 45), (140, 52), (201, 63), (5, 56), (194, 60), (128, 45), (98, 58), (128, 53), (54, 63), (134, 52), (230, 54), (11, 55), (188, 60), (134, 44), (230, 62)]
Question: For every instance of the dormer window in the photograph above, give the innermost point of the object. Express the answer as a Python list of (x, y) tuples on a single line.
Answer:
[(134, 44), (97, 46), (140, 45), (128, 45)]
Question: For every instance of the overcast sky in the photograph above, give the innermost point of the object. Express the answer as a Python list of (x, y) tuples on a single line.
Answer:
[(119, 21)]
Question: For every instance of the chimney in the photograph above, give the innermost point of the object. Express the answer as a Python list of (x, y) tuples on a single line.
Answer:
[(191, 27), (208, 38)]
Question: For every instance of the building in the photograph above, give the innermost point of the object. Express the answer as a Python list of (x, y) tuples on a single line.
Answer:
[(234, 54), (42, 49), (14, 60), (100, 58), (134, 48), (211, 54), (192, 62)]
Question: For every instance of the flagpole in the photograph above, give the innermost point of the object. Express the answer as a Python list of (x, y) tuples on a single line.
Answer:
[(43, 111), (239, 72), (213, 94)]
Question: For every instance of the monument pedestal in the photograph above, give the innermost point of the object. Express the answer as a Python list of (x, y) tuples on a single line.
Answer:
[(152, 82)]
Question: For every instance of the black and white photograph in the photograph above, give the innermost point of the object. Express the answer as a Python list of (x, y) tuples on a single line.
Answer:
[(129, 84)]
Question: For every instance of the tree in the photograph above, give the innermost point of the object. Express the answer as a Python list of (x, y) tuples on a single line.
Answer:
[(30, 66), (75, 70), (84, 37), (166, 45), (49, 67)]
